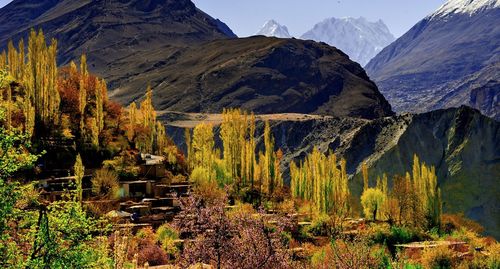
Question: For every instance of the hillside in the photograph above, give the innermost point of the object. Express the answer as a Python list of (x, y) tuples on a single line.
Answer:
[(464, 147), (194, 63), (265, 75), (447, 59)]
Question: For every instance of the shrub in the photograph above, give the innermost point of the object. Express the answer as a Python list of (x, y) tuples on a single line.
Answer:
[(453, 222), (167, 235), (105, 184), (320, 226), (346, 253), (439, 258), (144, 244)]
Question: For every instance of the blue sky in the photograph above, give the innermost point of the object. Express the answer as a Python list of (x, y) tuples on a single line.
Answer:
[(246, 17)]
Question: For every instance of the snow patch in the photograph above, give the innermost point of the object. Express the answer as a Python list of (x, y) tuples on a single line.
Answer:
[(465, 7), (273, 28)]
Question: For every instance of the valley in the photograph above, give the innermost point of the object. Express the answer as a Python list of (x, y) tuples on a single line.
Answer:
[(136, 134)]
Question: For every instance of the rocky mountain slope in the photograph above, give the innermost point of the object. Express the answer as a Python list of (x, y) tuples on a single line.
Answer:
[(261, 74), (273, 29), (451, 57), (462, 144), (193, 62), (110, 29), (357, 37)]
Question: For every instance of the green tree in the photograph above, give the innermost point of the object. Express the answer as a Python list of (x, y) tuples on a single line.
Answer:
[(14, 156)]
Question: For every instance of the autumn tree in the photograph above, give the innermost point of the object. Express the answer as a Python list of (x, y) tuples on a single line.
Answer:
[(322, 180), (132, 116), (238, 138), (41, 77), (364, 171), (415, 199), (79, 171), (203, 153), (189, 146), (372, 200), (269, 164), (424, 181), (37, 72)]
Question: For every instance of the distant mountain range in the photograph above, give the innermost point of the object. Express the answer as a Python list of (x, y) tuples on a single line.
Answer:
[(273, 29), (451, 57), (357, 37)]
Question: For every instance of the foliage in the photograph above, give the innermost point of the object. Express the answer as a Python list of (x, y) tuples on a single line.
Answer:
[(37, 71), (58, 236), (123, 164), (147, 248), (79, 170), (238, 166), (320, 226), (439, 258), (415, 199), (346, 253), (319, 180), (372, 201), (166, 235), (105, 184), (14, 156)]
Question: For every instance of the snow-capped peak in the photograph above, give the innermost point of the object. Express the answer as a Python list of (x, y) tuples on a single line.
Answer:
[(273, 28), (465, 7), (357, 37)]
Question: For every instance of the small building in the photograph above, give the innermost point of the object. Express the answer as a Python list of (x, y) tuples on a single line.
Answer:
[(152, 166), (136, 189)]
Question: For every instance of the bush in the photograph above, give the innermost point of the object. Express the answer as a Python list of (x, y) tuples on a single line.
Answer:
[(320, 226), (346, 253), (393, 236), (167, 235), (453, 222), (145, 245), (105, 184), (439, 258)]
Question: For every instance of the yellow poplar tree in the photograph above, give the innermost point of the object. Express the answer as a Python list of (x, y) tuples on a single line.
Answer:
[(79, 174), (132, 112), (318, 179)]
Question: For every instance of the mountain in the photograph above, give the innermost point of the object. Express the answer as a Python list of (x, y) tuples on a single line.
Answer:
[(451, 57), (194, 62), (273, 29), (358, 38), (261, 74), (461, 143), (111, 29)]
